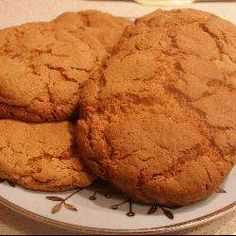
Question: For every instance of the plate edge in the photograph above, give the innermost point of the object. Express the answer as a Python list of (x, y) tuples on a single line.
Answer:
[(83, 229)]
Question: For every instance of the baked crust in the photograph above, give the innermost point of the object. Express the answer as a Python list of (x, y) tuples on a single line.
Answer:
[(41, 156), (44, 65), (160, 120)]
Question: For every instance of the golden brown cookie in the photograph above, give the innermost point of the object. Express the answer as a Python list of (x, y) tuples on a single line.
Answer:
[(41, 156), (44, 65), (160, 122)]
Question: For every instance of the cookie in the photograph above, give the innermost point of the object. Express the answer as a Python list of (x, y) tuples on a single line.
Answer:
[(160, 120), (41, 156), (44, 66), (107, 28)]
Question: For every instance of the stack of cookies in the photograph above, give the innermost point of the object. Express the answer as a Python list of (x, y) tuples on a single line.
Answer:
[(154, 102), (44, 66)]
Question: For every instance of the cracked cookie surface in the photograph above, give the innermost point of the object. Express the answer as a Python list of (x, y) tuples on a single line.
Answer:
[(160, 120), (44, 66), (41, 156), (107, 28)]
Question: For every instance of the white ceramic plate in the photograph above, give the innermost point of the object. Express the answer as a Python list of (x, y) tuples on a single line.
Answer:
[(94, 213), (96, 216)]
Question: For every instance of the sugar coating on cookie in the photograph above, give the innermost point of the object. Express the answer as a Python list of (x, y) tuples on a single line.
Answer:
[(44, 66), (160, 122), (41, 156)]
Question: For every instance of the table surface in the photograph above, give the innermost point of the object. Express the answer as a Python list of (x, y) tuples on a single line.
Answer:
[(14, 12)]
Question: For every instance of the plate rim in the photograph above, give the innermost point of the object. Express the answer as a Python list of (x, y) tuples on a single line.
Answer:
[(92, 230)]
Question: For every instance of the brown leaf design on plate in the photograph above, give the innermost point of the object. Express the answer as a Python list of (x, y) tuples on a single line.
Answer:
[(130, 213), (114, 207), (220, 190), (70, 207), (55, 198), (108, 195), (93, 197), (168, 213), (152, 209), (11, 183), (56, 208)]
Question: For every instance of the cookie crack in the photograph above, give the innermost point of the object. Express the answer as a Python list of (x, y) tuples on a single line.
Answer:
[(185, 100), (62, 73), (185, 104), (219, 46)]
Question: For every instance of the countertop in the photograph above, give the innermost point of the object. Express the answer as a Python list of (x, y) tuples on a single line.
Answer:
[(14, 12)]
